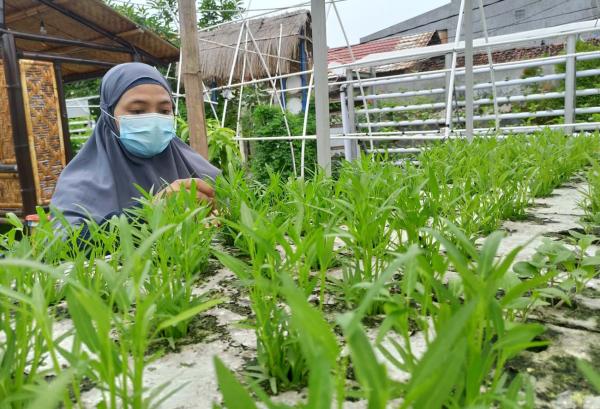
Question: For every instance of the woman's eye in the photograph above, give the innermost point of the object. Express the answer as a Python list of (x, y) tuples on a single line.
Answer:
[(166, 112), (137, 112)]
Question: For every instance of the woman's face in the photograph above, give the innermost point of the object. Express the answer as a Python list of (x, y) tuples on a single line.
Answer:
[(144, 99)]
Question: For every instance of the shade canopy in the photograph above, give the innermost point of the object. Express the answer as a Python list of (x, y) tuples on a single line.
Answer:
[(108, 37)]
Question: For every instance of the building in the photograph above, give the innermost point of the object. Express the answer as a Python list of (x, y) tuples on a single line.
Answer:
[(502, 17), (342, 55)]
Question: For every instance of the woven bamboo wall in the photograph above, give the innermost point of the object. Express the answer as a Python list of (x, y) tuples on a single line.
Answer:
[(10, 192), (44, 131), (43, 126)]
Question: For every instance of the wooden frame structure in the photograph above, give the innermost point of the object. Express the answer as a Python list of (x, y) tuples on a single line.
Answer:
[(76, 39)]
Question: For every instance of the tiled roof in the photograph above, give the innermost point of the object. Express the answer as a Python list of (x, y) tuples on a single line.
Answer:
[(341, 55)]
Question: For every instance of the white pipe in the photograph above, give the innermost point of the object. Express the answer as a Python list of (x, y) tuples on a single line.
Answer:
[(319, 36), (233, 64), (433, 91), (504, 83), (453, 68), (402, 136), (483, 101), (277, 72), (491, 65), (178, 83), (469, 77), (519, 115), (360, 84), (395, 150), (210, 102), (549, 77), (240, 98), (305, 125), (346, 125)]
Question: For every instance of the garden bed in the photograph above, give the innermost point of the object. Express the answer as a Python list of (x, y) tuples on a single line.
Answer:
[(573, 332), (387, 286)]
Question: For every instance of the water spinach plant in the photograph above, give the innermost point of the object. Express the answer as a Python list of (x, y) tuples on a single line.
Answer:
[(340, 273)]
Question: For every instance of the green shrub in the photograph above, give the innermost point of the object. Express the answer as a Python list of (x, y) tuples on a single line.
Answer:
[(265, 120)]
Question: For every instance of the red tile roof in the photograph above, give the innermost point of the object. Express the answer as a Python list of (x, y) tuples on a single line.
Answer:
[(341, 55)]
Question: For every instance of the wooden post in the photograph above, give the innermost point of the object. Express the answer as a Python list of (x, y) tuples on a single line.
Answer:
[(64, 117), (192, 77), (18, 122)]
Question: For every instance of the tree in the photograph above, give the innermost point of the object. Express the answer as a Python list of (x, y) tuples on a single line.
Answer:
[(213, 12), (160, 16)]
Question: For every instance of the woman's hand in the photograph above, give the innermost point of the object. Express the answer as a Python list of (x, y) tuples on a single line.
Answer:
[(204, 191)]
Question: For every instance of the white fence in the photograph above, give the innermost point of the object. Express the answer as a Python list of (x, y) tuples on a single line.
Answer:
[(444, 121)]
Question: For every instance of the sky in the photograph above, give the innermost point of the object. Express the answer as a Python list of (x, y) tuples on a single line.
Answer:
[(360, 17)]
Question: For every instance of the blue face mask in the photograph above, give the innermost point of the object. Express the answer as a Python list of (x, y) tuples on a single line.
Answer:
[(146, 135)]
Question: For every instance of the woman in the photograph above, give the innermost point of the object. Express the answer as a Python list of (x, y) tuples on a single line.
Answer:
[(133, 143)]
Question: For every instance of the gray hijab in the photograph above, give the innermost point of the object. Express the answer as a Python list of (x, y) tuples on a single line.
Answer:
[(101, 178)]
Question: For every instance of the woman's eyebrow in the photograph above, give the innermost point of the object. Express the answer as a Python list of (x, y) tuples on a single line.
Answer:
[(137, 101)]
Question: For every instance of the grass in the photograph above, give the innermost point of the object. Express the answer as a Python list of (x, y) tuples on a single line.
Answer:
[(402, 237)]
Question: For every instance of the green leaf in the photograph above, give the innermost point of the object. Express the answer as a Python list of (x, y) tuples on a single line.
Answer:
[(378, 286), (488, 253), (370, 373), (433, 362), (237, 266), (82, 321), (591, 375), (310, 322), (51, 395), (234, 394), (320, 385), (520, 289), (525, 269), (189, 313)]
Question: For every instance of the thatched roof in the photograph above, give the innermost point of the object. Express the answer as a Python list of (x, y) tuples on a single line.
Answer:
[(217, 47), (91, 21)]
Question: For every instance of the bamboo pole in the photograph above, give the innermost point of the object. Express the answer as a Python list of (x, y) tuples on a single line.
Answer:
[(192, 77)]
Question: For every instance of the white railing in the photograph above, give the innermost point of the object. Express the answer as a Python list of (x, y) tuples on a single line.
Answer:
[(442, 121)]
